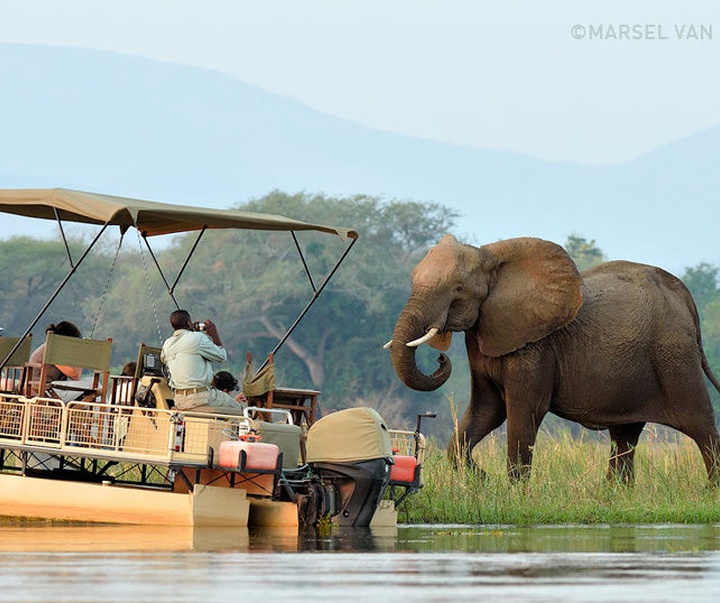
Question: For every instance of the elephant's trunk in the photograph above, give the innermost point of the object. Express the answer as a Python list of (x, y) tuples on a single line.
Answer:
[(409, 328)]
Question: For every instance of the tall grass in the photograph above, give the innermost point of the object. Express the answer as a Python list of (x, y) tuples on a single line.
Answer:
[(568, 484)]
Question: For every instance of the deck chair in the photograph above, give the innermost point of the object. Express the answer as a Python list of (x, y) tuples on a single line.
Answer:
[(93, 354), (121, 389), (150, 378), (149, 361), (124, 386), (261, 391), (11, 376)]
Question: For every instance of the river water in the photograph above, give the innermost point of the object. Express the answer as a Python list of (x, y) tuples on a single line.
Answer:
[(75, 563)]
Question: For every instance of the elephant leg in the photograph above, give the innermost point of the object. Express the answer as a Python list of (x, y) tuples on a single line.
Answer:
[(521, 434), (707, 440), (527, 405), (698, 423), (624, 439), (485, 413)]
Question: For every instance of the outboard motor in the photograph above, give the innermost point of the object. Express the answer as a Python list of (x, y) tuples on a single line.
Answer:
[(350, 454)]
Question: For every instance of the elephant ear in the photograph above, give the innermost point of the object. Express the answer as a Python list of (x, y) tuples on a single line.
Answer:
[(536, 290)]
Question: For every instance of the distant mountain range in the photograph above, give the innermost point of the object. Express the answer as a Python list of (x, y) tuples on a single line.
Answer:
[(131, 126)]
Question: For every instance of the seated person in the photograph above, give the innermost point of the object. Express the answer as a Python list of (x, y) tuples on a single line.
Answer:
[(189, 354), (226, 382), (58, 373)]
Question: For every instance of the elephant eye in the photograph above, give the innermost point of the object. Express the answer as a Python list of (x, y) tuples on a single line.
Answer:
[(459, 289)]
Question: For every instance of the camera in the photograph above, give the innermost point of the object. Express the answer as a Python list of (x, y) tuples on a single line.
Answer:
[(199, 326)]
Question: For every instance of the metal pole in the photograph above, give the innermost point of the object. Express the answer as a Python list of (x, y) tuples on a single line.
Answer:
[(187, 259)]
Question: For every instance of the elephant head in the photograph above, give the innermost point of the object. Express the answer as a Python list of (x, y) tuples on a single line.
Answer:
[(510, 293)]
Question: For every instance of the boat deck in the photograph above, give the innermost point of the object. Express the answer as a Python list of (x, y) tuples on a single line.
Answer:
[(111, 432), (130, 434)]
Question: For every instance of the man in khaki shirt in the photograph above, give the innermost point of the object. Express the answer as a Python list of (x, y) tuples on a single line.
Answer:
[(189, 354)]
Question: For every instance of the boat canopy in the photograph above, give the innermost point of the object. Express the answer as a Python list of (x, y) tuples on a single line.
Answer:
[(149, 217)]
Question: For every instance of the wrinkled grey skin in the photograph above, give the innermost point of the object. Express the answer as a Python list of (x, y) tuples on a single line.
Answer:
[(613, 348)]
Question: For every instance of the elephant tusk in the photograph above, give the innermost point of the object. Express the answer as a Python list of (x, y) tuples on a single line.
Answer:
[(387, 345), (424, 339)]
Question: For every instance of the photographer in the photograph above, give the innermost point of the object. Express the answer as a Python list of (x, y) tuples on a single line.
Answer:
[(189, 354)]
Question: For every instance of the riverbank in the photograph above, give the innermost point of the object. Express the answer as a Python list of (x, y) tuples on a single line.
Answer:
[(568, 485)]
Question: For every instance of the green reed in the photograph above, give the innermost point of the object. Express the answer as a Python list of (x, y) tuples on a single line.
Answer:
[(568, 484)]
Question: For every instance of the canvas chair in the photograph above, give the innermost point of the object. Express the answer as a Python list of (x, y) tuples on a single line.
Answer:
[(124, 387), (11, 376), (149, 361), (261, 390), (93, 354), (150, 372)]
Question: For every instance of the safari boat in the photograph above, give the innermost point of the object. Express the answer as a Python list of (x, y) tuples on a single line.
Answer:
[(113, 449)]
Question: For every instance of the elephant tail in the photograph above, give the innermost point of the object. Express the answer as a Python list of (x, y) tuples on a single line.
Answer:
[(708, 372)]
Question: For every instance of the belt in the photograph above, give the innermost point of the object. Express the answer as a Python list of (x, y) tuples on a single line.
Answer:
[(191, 390)]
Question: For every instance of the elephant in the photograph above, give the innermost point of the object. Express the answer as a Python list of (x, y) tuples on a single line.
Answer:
[(612, 348)]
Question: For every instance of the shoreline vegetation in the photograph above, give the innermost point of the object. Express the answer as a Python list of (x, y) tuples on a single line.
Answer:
[(568, 484)]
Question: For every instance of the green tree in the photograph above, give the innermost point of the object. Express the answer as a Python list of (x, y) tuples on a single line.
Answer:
[(702, 280), (584, 253), (33, 269)]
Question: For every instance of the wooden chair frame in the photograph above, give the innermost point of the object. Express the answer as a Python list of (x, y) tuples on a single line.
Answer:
[(12, 372), (93, 354), (262, 391)]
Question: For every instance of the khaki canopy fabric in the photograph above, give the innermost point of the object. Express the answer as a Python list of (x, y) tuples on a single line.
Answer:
[(328, 440), (149, 217)]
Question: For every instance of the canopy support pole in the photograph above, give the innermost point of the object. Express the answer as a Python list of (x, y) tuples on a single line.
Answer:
[(187, 259), (309, 304), (302, 257), (68, 276), (62, 234), (160, 270), (171, 288)]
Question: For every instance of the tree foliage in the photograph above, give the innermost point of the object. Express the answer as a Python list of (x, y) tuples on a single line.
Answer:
[(702, 280), (33, 270), (584, 253)]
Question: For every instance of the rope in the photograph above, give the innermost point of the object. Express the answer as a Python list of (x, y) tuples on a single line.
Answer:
[(150, 289), (104, 295)]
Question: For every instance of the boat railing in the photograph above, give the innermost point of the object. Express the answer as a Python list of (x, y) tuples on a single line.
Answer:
[(408, 443), (108, 430)]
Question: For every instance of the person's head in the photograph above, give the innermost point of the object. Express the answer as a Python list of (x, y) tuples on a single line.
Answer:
[(129, 369), (64, 327), (225, 382), (180, 319)]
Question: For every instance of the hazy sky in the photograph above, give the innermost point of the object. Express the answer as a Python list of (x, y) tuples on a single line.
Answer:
[(591, 81)]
